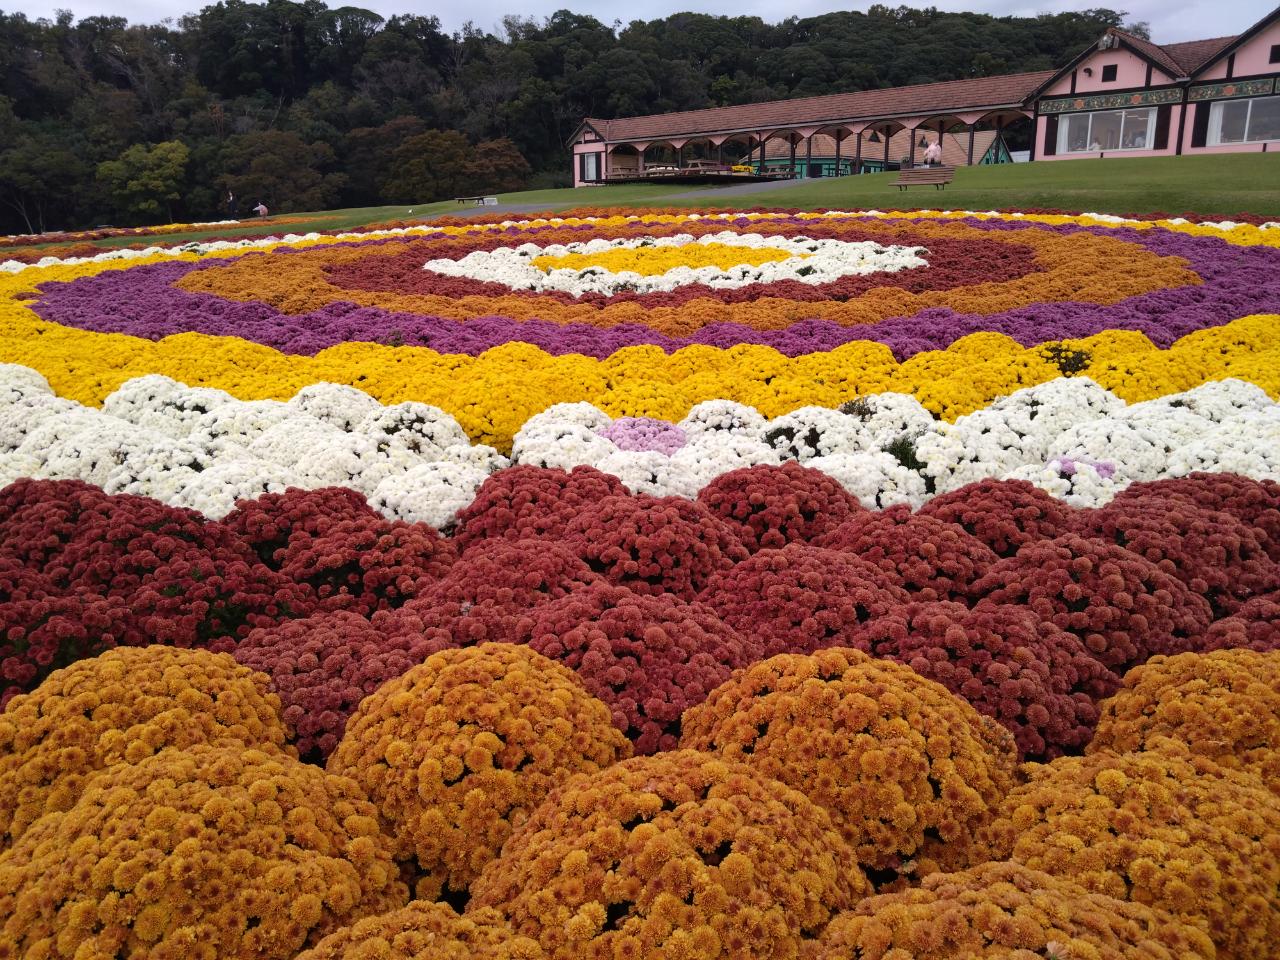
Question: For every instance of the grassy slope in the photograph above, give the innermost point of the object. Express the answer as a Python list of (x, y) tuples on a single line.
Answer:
[(1216, 185)]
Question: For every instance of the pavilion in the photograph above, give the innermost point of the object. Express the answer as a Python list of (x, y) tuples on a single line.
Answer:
[(1122, 96)]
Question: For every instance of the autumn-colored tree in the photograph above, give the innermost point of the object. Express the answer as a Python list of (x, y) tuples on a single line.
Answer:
[(430, 166), (497, 165)]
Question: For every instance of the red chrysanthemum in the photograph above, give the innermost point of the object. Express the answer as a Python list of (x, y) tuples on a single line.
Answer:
[(1255, 625), (323, 666), (801, 598), (1034, 678), (654, 544), (769, 507), (525, 501), (648, 658), (1121, 605), (933, 559), (1004, 514)]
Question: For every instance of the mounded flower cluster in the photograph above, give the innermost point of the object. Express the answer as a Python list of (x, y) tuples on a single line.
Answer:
[(681, 854), (1224, 705), (1120, 604), (907, 771), (770, 507), (802, 598), (323, 666), (1007, 911), (1217, 555), (100, 571), (121, 707), (526, 501), (457, 751), (1006, 515), (201, 851), (426, 930), (1162, 827), (1255, 625), (1033, 677), (649, 658), (1256, 502), (933, 559), (492, 593), (654, 545)]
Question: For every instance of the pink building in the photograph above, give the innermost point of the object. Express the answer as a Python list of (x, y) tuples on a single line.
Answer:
[(1122, 97)]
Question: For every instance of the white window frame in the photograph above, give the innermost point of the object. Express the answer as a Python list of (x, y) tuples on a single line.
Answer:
[(1215, 121), (1064, 145)]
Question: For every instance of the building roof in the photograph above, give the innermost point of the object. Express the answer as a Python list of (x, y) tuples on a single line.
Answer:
[(1194, 54), (921, 100), (1152, 51)]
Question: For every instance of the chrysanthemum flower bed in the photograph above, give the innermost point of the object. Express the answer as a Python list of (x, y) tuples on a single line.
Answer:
[(858, 509)]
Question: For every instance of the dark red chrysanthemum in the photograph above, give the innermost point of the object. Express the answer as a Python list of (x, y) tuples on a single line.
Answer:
[(1003, 514), (1256, 502), (1217, 555), (931, 558), (1121, 605), (1037, 680), (492, 592), (654, 545), (648, 658), (802, 598), (1255, 625), (769, 507), (269, 521), (523, 501), (323, 666)]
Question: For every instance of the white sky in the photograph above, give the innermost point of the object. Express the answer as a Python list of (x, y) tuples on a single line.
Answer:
[(1171, 20)]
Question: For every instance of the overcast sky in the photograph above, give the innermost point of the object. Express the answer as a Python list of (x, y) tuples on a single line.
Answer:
[(1171, 20)]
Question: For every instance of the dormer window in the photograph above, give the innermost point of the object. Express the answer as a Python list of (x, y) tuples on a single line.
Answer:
[(1275, 53), (1109, 73)]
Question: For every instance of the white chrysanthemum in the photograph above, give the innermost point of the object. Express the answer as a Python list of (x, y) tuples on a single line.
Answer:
[(1138, 450), (710, 455), (723, 416), (432, 493), (19, 418), (1079, 485), (319, 452), (877, 479), (564, 446), (87, 445), (581, 414), (812, 432), (164, 405), (157, 466), (479, 455), (230, 430), (651, 472), (417, 427), (216, 490), (1248, 444), (17, 382), (1028, 420), (16, 466), (880, 418), (335, 403)]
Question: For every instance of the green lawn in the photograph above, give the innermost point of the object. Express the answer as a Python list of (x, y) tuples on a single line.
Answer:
[(1218, 185)]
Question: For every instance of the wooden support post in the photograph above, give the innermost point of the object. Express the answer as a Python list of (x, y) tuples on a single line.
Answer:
[(760, 161), (972, 128), (808, 156), (911, 149), (839, 141), (857, 153), (720, 154), (887, 137), (680, 157), (792, 140)]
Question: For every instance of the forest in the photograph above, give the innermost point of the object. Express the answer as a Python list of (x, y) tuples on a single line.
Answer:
[(303, 107)]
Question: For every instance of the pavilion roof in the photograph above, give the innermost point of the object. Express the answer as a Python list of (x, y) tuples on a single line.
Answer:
[(1194, 54), (921, 100)]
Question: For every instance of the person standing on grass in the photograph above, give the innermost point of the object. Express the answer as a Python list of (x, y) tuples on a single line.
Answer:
[(233, 205), (261, 209), (933, 154)]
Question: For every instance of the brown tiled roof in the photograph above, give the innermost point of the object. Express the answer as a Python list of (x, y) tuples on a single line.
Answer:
[(926, 99), (1153, 52), (1194, 54)]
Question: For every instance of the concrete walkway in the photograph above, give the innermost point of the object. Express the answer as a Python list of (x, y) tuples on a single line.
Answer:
[(736, 190)]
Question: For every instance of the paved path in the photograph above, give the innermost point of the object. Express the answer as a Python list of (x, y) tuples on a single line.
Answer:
[(737, 190)]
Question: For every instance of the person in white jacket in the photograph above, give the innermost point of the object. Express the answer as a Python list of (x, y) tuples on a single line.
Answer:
[(933, 154)]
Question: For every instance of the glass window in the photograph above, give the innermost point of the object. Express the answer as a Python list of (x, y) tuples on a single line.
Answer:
[(1264, 119), (1109, 73), (1107, 130), (1241, 121)]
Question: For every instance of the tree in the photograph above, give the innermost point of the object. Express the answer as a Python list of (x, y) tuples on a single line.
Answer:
[(39, 172), (496, 166), (281, 170), (430, 166), (145, 181)]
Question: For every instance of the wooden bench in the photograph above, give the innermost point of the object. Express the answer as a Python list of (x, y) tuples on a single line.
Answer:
[(915, 176), (478, 201)]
